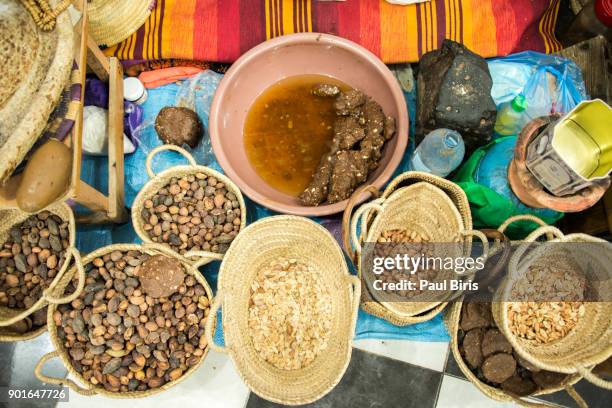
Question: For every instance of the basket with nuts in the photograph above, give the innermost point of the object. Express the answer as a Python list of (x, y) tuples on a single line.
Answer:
[(138, 326), (194, 210), (35, 253), (289, 309), (540, 305), (415, 210)]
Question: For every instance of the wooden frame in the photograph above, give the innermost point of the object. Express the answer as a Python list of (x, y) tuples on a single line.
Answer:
[(103, 208)]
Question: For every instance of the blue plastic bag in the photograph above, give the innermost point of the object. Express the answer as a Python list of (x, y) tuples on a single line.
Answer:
[(550, 83)]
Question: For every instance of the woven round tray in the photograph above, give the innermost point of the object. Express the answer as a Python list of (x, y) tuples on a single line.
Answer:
[(36, 65), (62, 353), (160, 180), (452, 322), (590, 341), (261, 242), (112, 21), (54, 294), (418, 202)]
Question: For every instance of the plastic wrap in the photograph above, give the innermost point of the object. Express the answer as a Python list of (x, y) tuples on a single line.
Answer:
[(549, 83), (195, 93)]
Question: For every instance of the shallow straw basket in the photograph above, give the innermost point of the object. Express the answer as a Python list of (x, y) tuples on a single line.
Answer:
[(590, 341), (260, 243), (112, 21), (452, 322), (62, 353), (418, 202), (160, 180), (54, 294)]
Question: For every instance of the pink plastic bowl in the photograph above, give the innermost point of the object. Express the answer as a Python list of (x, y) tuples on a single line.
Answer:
[(291, 55)]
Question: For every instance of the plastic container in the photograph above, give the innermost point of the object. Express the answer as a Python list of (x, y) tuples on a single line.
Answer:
[(439, 153), (134, 91), (511, 117)]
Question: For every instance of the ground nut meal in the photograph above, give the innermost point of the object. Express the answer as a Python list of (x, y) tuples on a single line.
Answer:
[(289, 314), (138, 324), (193, 212)]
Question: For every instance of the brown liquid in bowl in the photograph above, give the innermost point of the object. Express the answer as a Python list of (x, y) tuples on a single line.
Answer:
[(288, 130)]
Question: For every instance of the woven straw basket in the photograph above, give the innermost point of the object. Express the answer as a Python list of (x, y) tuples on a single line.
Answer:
[(36, 66), (590, 341), (54, 294), (112, 21), (160, 180), (452, 323), (418, 202), (62, 353), (258, 244)]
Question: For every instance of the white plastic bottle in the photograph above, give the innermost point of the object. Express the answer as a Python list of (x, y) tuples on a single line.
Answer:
[(439, 153)]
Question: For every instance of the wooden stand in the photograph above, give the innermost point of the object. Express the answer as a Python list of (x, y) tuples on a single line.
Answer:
[(103, 208)]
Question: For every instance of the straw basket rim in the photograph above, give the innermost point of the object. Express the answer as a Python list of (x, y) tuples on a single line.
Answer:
[(112, 21), (312, 384), (63, 211), (62, 353), (159, 180), (497, 394)]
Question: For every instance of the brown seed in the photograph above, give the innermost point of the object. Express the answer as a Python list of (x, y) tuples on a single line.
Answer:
[(11, 280), (175, 374), (133, 311), (112, 366)]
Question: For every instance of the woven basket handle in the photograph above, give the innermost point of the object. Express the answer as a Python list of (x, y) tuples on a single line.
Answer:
[(592, 378), (485, 246), (80, 274), (362, 214), (520, 252), (208, 328), (204, 257), (59, 381), (46, 296), (162, 148), (346, 217), (524, 217), (355, 284)]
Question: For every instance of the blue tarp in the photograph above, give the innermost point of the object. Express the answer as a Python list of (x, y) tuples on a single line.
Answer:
[(94, 171)]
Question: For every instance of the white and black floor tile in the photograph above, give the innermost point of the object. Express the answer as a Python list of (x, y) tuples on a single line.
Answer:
[(382, 374), (376, 381)]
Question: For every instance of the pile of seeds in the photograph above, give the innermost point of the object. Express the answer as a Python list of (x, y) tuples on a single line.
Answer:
[(289, 314), (492, 358), (120, 337), (30, 258), (415, 245), (544, 322), (194, 212), (550, 283)]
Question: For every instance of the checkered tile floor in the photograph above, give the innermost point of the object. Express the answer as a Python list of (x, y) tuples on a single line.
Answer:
[(385, 374)]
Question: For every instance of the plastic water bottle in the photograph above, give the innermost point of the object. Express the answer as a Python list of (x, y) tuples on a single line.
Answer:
[(511, 117), (439, 153)]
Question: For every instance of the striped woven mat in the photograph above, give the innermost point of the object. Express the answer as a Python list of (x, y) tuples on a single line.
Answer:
[(222, 30)]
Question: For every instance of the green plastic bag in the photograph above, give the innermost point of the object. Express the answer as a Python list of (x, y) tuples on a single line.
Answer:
[(490, 208)]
